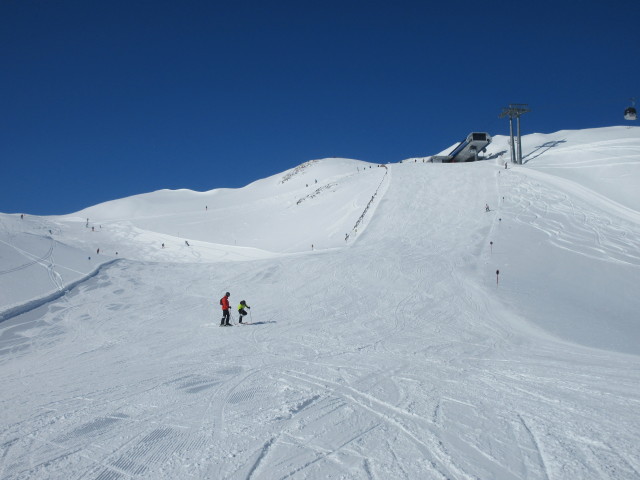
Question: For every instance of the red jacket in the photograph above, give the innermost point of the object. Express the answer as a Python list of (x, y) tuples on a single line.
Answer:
[(224, 301)]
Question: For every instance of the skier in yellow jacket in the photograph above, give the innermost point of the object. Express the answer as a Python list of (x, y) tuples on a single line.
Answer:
[(241, 310)]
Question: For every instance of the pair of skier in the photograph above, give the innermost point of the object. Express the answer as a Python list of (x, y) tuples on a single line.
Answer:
[(224, 302)]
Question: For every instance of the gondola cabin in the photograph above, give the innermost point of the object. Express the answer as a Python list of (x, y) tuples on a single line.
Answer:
[(630, 112)]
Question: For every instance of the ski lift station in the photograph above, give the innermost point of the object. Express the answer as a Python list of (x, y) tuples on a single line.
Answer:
[(467, 150)]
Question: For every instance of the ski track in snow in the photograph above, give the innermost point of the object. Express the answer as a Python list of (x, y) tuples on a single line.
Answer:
[(397, 356)]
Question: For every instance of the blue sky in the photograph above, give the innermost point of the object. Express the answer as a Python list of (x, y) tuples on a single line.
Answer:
[(101, 100)]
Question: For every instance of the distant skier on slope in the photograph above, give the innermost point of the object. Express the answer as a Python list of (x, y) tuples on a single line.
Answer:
[(241, 310), (224, 301)]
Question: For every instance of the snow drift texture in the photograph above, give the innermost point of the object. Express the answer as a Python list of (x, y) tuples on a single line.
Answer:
[(383, 343)]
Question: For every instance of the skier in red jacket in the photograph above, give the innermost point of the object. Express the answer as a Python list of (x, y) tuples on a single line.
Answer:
[(224, 301)]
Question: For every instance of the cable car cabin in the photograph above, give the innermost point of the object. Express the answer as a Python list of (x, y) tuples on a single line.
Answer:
[(630, 114)]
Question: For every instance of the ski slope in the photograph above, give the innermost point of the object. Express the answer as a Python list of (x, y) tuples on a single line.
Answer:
[(395, 353)]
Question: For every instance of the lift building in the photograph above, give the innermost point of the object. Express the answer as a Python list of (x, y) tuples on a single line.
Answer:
[(467, 150)]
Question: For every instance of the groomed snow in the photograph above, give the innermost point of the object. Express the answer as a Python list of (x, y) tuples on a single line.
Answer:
[(390, 349)]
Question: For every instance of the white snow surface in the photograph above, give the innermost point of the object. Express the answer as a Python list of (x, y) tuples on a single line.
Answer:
[(390, 349)]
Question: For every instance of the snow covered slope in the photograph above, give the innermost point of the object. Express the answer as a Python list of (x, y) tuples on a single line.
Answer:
[(600, 162), (36, 267), (316, 203), (394, 354)]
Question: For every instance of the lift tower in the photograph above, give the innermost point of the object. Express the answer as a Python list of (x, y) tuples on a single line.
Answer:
[(514, 110)]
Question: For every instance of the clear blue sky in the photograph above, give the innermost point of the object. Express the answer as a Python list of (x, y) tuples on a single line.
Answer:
[(104, 99)]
